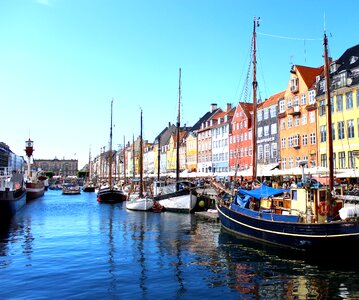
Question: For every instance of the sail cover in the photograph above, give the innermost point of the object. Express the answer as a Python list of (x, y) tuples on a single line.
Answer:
[(263, 192)]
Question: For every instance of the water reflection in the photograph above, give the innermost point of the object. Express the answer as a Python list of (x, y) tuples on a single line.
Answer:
[(259, 270)]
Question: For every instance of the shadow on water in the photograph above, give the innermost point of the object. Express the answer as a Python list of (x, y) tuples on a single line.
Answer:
[(323, 258), (257, 269)]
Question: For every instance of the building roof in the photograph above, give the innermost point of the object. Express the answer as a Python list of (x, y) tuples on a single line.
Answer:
[(309, 74), (272, 100)]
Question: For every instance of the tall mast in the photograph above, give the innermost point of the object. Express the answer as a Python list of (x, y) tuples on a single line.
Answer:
[(110, 159), (254, 116), (133, 156), (141, 159), (89, 165), (178, 130), (329, 121), (159, 158), (124, 160)]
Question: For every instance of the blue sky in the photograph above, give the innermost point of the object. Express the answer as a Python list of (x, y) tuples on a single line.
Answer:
[(62, 61)]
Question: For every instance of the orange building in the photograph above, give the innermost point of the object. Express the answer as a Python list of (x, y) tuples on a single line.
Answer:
[(297, 118)]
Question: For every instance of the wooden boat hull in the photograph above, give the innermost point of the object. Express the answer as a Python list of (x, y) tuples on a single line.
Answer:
[(35, 190), (110, 195), (88, 189), (182, 201), (11, 202), (314, 236), (139, 203)]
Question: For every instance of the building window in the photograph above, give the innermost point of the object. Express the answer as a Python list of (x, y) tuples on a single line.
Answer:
[(284, 163), (304, 119), (296, 101), (322, 108), (313, 140), (283, 142), (266, 152), (290, 122), (351, 160), (349, 100), (341, 134), (260, 131), (283, 124), (266, 130), (260, 152), (312, 117), (341, 160), (323, 160), (305, 139), (259, 116), (289, 103), (357, 92), (273, 129), (296, 121), (323, 133), (311, 96), (282, 106), (333, 131), (303, 99), (290, 162), (266, 114), (350, 128), (339, 103), (273, 112), (274, 150)]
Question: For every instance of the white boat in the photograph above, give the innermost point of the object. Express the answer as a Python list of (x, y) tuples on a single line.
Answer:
[(139, 200), (177, 197), (71, 189)]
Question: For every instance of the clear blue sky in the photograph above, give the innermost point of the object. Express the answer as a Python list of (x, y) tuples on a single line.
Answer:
[(62, 61)]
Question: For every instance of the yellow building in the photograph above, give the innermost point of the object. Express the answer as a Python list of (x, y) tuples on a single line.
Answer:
[(345, 115), (191, 149)]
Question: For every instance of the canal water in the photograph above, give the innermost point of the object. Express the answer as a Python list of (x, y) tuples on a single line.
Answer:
[(72, 247)]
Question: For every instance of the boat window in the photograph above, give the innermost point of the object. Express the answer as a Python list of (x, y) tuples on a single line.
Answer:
[(294, 194)]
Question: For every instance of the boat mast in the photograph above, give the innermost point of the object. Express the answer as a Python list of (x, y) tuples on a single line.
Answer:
[(124, 160), (329, 120), (110, 159), (159, 158), (141, 160), (254, 116), (133, 157), (89, 166), (178, 131)]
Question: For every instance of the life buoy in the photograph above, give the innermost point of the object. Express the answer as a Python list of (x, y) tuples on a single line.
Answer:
[(323, 208)]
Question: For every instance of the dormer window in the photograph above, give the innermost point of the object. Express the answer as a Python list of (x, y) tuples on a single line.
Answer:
[(353, 59), (294, 85), (333, 68)]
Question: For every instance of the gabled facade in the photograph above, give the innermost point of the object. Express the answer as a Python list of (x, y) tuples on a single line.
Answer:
[(220, 140), (297, 118), (240, 138), (344, 77), (204, 140), (267, 131)]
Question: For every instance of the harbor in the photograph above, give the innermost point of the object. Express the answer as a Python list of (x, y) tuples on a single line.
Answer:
[(72, 247)]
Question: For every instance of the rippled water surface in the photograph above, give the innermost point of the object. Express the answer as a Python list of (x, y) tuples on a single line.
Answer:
[(71, 247)]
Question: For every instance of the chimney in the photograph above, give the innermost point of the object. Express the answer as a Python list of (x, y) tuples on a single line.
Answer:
[(169, 124), (229, 107), (213, 107)]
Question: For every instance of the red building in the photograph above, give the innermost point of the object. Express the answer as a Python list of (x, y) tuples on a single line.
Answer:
[(240, 139)]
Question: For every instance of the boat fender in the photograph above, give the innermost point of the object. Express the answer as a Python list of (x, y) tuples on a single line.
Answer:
[(323, 208)]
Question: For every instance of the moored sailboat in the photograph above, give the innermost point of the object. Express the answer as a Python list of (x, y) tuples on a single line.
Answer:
[(110, 193), (180, 196), (309, 217), (139, 200)]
